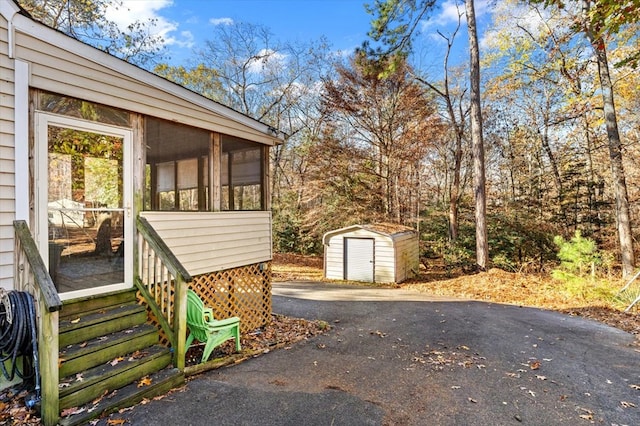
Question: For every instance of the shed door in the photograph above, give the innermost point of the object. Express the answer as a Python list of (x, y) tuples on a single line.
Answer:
[(358, 259)]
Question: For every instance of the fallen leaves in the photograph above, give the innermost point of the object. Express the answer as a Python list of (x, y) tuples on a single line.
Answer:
[(494, 285), (115, 361), (100, 398), (534, 365), (137, 355), (443, 359), (71, 411), (145, 381), (588, 414), (280, 331)]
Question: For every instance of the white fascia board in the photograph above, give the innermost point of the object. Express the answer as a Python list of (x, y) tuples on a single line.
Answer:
[(329, 234), (41, 31)]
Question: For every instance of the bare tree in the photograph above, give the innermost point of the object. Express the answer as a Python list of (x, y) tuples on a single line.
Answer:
[(456, 114), (86, 20)]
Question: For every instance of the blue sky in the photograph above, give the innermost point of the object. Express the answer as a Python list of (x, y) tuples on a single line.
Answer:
[(186, 24)]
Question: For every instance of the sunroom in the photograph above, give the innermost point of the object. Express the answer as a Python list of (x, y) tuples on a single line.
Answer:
[(203, 191)]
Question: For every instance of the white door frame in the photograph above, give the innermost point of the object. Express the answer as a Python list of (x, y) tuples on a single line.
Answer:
[(41, 188)]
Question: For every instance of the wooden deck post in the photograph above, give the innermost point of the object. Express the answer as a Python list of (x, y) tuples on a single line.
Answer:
[(180, 323), (49, 373)]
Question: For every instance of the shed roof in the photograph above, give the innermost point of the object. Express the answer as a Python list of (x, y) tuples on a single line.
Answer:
[(392, 230)]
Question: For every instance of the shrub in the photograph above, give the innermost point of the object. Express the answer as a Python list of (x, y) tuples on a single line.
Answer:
[(578, 257)]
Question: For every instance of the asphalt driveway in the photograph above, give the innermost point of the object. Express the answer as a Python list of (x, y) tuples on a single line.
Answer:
[(396, 357)]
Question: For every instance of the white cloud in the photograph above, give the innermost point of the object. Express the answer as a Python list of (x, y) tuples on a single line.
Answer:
[(135, 10), (450, 10), (132, 11), (267, 59), (221, 21), (186, 40), (513, 21)]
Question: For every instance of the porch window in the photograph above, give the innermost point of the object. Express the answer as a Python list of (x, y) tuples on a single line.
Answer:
[(241, 177), (181, 161), (77, 108)]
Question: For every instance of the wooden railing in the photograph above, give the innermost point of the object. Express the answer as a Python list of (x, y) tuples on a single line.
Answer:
[(31, 275), (163, 282)]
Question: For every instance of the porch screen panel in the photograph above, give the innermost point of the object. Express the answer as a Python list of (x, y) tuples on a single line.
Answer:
[(175, 153), (188, 184), (246, 178), (166, 178), (241, 176)]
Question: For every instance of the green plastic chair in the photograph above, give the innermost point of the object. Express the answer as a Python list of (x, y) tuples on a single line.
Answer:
[(204, 328)]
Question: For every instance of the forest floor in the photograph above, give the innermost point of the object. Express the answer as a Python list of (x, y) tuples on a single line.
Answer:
[(535, 290)]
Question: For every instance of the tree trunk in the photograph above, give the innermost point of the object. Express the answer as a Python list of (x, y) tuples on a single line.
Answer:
[(482, 245), (455, 191), (623, 218)]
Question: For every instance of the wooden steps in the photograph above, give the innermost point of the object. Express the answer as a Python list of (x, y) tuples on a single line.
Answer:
[(109, 357), (161, 382), (75, 358)]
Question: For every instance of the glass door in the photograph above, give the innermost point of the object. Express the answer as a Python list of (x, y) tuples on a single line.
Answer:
[(84, 196)]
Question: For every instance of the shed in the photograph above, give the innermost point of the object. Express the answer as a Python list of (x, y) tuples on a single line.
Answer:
[(381, 253)]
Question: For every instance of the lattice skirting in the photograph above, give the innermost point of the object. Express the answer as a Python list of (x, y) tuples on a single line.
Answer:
[(243, 292)]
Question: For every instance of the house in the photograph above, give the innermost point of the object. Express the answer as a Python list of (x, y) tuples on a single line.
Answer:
[(118, 190), (381, 253)]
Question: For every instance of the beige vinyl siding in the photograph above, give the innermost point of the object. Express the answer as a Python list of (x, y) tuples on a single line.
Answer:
[(213, 241), (384, 259), (7, 164), (407, 256), (51, 66), (334, 258)]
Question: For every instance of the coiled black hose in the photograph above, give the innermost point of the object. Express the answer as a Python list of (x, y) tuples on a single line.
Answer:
[(18, 336)]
